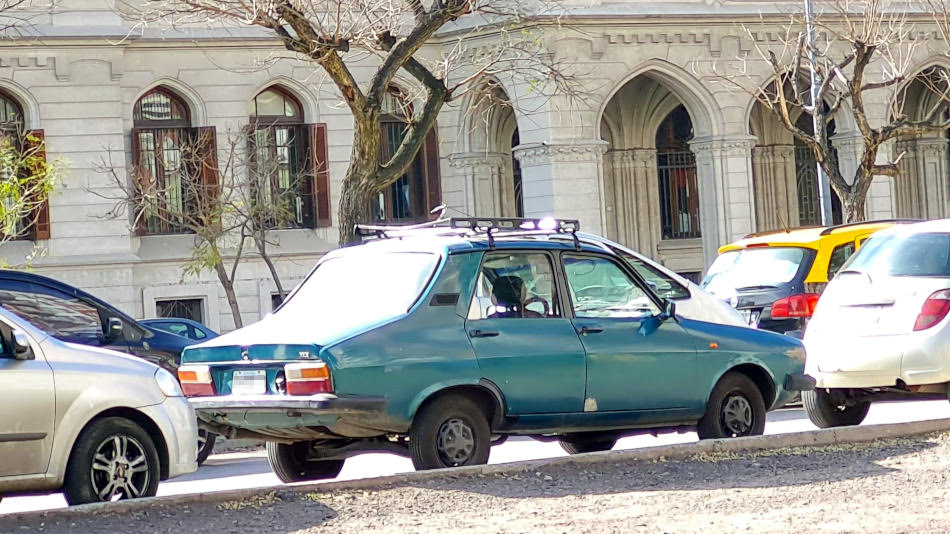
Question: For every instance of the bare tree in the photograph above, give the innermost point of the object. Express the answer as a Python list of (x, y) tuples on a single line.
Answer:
[(862, 47), (389, 36), (26, 181)]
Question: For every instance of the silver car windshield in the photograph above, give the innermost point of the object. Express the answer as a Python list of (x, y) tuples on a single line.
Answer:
[(925, 254), (353, 291)]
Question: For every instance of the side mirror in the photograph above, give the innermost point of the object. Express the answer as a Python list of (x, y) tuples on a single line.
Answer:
[(21, 346), (115, 329), (669, 312)]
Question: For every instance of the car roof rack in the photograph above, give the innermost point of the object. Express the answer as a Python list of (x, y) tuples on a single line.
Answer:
[(491, 227), (830, 229)]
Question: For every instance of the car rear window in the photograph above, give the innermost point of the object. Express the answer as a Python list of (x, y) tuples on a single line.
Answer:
[(923, 254), (753, 268)]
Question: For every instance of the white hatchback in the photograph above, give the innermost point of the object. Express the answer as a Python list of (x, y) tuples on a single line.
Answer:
[(881, 329)]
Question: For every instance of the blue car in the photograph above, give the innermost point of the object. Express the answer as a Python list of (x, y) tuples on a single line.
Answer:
[(181, 327), (435, 342)]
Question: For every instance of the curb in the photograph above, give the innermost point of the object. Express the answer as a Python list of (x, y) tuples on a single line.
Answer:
[(812, 438)]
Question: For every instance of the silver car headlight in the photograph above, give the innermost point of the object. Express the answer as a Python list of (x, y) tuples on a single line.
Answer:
[(168, 383)]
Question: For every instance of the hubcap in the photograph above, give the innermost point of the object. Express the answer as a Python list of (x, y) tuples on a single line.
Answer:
[(119, 469), (456, 442), (736, 415)]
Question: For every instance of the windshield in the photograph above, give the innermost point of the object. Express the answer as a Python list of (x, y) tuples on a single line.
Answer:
[(752, 268), (354, 291), (904, 255)]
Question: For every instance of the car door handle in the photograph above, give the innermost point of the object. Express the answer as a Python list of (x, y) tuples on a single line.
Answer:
[(589, 329), (483, 333)]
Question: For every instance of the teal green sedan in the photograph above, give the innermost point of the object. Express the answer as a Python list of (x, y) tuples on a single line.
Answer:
[(436, 343)]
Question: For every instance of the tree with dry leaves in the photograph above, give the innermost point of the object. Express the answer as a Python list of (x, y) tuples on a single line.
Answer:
[(862, 47), (389, 37), (26, 181)]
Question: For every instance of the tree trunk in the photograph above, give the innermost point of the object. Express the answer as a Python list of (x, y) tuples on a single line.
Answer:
[(228, 286), (852, 207), (359, 184), (262, 250)]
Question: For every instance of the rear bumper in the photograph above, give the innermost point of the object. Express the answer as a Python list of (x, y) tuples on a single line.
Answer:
[(283, 417), (799, 382)]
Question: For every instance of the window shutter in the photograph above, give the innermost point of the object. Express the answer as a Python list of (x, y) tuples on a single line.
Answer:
[(138, 177), (431, 173), (320, 167), (207, 153), (40, 228)]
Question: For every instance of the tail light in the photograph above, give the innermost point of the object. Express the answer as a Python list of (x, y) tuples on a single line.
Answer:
[(802, 305), (933, 311), (196, 380), (307, 378)]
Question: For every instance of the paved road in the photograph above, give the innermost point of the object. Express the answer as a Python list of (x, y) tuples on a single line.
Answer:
[(250, 470)]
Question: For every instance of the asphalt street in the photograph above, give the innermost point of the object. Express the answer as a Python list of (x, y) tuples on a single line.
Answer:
[(249, 470)]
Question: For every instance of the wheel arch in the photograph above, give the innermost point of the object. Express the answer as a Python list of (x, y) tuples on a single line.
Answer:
[(759, 375), (485, 392), (147, 425)]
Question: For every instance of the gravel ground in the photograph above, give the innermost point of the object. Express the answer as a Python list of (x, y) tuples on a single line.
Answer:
[(897, 485)]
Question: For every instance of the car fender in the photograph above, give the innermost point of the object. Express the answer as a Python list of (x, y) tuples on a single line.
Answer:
[(480, 383), (739, 360)]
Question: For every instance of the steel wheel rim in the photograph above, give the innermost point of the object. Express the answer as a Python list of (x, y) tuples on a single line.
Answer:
[(455, 442), (120, 469), (737, 417)]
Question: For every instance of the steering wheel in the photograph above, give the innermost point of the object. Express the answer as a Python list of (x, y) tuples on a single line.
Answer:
[(590, 292), (544, 303)]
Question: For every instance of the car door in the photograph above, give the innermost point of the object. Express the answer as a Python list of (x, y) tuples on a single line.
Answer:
[(522, 339), (635, 361), (27, 409)]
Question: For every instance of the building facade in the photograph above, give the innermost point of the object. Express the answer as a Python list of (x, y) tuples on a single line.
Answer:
[(660, 155)]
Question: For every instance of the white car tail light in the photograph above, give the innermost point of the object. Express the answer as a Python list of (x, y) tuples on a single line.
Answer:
[(933, 311)]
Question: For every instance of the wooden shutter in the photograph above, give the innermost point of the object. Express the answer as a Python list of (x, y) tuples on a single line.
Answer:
[(432, 177), (320, 168), (138, 176), (207, 153), (40, 229)]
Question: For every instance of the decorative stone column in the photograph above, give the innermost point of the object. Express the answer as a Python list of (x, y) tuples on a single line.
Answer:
[(724, 168), (773, 178), (923, 189), (632, 199), (564, 180), (487, 178)]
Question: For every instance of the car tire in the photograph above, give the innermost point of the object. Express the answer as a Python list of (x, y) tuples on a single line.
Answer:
[(450, 431), (290, 463), (582, 444), (113, 458), (735, 409), (824, 413), (205, 444)]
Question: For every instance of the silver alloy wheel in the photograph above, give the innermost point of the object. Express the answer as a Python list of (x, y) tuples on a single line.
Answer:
[(120, 469), (456, 442), (737, 415)]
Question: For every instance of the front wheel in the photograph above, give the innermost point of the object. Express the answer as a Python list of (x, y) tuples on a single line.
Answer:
[(451, 431), (113, 458), (291, 463), (826, 412), (735, 409)]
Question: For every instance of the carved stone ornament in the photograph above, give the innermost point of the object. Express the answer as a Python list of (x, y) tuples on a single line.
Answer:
[(543, 154)]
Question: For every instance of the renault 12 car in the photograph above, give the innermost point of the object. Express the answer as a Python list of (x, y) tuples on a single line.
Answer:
[(774, 279), (881, 330), (97, 424), (433, 343)]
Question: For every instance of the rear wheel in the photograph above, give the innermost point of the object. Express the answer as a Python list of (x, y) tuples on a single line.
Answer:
[(291, 464), (582, 444), (826, 411), (113, 458), (205, 444), (450, 431), (735, 409)]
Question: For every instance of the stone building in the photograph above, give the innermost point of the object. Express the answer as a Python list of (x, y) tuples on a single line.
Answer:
[(659, 156)]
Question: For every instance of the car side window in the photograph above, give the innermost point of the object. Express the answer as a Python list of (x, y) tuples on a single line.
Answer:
[(196, 333), (517, 285), (663, 285), (839, 256), (61, 315), (600, 288), (179, 329)]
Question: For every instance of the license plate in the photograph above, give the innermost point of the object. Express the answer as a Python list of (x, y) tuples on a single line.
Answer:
[(249, 382), (751, 317)]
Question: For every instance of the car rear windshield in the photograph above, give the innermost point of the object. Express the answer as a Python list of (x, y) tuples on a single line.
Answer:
[(924, 254), (354, 291), (752, 268)]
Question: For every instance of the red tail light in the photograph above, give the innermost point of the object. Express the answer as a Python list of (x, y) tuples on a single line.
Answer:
[(933, 311), (307, 378), (196, 380), (795, 306)]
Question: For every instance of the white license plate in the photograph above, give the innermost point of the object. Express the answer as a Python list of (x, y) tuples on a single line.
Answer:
[(249, 382), (751, 317)]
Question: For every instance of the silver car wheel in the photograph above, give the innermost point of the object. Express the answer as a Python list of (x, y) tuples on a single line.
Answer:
[(456, 442), (120, 469)]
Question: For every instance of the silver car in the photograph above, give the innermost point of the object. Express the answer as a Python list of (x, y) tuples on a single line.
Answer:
[(97, 424)]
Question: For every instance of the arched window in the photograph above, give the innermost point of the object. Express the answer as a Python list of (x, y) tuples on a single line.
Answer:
[(288, 163), (676, 170), (174, 164), (416, 193), (806, 179), (31, 214)]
